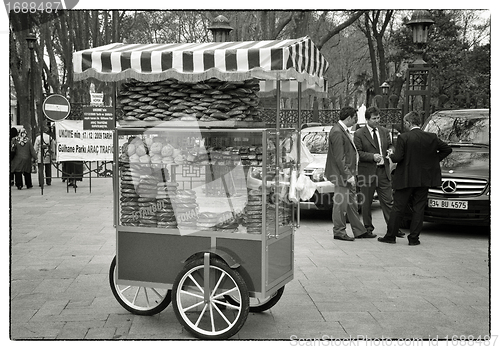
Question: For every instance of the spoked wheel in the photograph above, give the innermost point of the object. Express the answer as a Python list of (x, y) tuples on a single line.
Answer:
[(139, 300), (257, 304), (199, 299)]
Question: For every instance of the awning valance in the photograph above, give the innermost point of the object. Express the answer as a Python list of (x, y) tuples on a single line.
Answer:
[(292, 59)]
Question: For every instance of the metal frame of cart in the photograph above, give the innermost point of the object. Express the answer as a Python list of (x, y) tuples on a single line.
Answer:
[(209, 276)]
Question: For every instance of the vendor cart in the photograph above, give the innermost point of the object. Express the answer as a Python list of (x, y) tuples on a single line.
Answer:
[(201, 183)]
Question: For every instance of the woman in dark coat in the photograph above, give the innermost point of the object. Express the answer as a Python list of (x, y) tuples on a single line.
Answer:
[(21, 164), (13, 135)]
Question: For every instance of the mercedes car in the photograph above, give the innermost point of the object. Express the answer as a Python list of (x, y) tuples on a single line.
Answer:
[(464, 194)]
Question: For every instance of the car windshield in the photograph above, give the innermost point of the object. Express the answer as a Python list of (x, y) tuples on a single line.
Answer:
[(316, 142), (453, 129)]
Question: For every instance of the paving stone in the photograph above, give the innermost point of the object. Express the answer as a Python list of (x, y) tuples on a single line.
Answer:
[(22, 316), (310, 330), (100, 333), (53, 307)]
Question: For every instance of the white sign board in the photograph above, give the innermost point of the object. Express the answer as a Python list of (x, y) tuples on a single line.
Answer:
[(97, 99), (75, 143)]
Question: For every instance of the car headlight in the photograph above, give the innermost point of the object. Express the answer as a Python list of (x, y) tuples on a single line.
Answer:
[(318, 175)]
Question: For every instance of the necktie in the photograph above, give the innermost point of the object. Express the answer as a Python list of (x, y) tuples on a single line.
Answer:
[(375, 138)]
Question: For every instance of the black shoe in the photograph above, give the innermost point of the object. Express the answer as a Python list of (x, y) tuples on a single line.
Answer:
[(385, 240), (19, 187), (400, 234), (367, 235), (417, 242), (29, 187), (344, 238)]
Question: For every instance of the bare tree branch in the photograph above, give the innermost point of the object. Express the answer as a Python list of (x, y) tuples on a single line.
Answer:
[(338, 29)]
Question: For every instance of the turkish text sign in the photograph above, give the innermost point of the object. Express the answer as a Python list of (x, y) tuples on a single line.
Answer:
[(98, 118), (76, 143)]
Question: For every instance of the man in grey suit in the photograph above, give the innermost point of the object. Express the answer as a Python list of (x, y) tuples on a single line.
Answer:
[(372, 142), (341, 170)]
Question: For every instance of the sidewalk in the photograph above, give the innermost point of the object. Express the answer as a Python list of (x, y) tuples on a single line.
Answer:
[(63, 243)]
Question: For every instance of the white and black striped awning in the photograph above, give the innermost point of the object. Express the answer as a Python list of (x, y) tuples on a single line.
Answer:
[(293, 59)]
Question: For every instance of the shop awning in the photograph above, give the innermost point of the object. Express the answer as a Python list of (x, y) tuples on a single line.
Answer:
[(292, 59)]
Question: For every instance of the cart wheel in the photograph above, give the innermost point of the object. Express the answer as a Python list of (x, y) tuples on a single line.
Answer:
[(199, 302), (257, 304), (145, 301)]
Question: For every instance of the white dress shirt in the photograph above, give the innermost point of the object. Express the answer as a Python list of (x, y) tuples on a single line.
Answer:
[(379, 142)]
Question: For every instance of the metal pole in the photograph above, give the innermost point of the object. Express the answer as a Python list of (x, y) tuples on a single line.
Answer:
[(40, 117), (299, 140), (278, 156), (90, 176)]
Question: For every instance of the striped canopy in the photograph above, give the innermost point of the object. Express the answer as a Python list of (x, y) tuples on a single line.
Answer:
[(292, 59)]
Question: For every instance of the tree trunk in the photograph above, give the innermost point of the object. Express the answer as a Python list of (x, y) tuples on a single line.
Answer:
[(379, 36), (373, 57), (19, 61), (264, 24), (302, 23), (95, 28)]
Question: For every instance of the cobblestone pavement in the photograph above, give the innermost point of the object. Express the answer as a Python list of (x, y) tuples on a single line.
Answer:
[(62, 245)]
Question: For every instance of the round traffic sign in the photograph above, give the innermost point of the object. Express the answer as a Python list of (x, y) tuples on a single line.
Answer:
[(56, 107)]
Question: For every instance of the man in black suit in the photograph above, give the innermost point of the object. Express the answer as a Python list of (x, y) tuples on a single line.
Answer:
[(417, 155), (341, 169), (372, 142)]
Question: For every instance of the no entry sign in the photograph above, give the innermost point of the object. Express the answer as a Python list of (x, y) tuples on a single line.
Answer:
[(56, 107)]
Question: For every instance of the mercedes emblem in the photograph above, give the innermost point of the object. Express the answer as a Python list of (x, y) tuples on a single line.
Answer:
[(449, 186)]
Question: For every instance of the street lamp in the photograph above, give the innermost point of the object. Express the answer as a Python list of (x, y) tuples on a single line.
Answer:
[(419, 23), (418, 80), (31, 40), (220, 29), (385, 92)]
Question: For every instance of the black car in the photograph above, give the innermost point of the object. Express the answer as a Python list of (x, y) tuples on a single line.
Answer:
[(464, 194)]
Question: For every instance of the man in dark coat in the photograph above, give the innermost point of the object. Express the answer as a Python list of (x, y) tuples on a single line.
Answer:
[(341, 170), (372, 142), (417, 155)]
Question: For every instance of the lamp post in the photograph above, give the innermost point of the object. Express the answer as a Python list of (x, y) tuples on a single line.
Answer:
[(220, 29), (418, 80), (31, 39), (385, 92)]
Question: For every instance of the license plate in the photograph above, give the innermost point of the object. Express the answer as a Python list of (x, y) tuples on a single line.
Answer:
[(446, 204)]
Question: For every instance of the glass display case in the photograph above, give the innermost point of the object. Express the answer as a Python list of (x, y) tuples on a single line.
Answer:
[(203, 180)]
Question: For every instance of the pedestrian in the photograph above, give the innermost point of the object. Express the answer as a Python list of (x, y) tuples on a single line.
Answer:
[(13, 135), (73, 172), (44, 159), (374, 174), (22, 163), (341, 170), (417, 155)]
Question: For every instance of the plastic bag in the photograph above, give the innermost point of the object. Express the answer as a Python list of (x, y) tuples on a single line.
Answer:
[(292, 193), (305, 187), (305, 156)]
